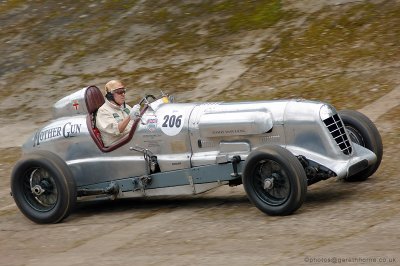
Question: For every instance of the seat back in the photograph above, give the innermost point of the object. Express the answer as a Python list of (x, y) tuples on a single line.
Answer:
[(94, 99)]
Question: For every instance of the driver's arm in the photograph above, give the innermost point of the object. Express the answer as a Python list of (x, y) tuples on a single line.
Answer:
[(133, 114), (123, 124)]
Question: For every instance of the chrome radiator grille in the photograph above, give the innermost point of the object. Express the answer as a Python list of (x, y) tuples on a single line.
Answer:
[(336, 128)]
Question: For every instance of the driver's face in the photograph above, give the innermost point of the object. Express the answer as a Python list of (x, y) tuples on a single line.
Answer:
[(119, 97), (119, 93)]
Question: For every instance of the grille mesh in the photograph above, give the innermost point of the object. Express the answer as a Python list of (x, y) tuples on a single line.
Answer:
[(335, 127)]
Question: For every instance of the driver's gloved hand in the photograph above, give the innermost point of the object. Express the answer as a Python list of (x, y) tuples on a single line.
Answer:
[(135, 112)]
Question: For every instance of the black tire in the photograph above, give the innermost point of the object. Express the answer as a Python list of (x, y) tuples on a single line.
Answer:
[(362, 131), (289, 182), (43, 187)]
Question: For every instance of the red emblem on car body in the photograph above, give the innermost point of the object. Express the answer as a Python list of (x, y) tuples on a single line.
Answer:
[(75, 104)]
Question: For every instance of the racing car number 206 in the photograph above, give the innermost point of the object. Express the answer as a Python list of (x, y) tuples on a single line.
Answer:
[(172, 124)]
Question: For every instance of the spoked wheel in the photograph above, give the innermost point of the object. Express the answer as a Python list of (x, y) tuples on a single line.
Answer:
[(43, 187), (275, 181), (363, 132), (40, 189), (271, 183)]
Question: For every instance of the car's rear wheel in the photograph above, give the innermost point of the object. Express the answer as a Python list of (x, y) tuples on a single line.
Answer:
[(274, 180), (43, 187), (363, 132)]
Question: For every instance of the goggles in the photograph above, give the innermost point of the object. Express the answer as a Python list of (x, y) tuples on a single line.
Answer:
[(119, 91)]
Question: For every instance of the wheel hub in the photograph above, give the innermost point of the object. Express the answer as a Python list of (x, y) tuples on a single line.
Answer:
[(38, 185), (268, 183), (37, 190)]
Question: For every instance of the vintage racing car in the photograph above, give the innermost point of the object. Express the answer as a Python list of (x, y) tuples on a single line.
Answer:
[(274, 148)]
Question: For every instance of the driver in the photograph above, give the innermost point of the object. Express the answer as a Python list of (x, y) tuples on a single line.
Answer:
[(115, 118)]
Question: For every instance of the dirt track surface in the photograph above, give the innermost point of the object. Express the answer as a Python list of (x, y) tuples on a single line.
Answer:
[(351, 223)]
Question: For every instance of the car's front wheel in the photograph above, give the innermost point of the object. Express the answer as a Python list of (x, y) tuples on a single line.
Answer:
[(362, 131), (274, 180), (43, 187)]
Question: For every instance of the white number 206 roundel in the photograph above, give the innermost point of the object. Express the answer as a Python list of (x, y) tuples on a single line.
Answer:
[(171, 123)]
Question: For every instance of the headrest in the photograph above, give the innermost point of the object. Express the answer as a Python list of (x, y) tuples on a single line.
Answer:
[(93, 99)]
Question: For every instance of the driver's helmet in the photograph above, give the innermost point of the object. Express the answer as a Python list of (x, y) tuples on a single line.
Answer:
[(113, 85)]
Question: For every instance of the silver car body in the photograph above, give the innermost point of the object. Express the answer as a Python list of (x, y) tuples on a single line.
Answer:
[(194, 141)]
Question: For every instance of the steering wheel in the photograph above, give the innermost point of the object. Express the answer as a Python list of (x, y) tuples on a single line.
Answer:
[(145, 99)]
